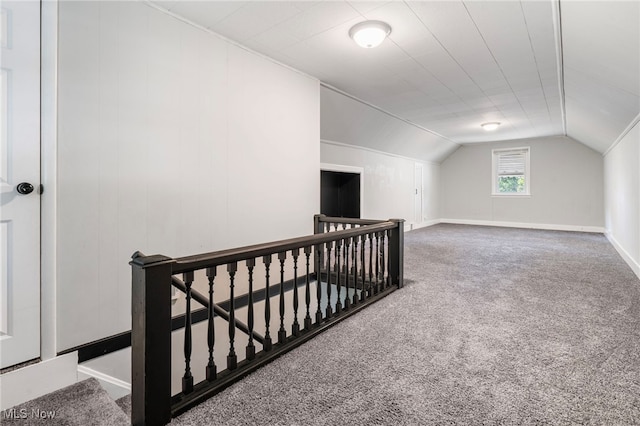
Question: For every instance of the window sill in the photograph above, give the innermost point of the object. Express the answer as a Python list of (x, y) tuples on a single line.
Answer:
[(511, 195)]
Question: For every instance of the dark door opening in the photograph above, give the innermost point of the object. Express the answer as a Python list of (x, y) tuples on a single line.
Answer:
[(340, 194)]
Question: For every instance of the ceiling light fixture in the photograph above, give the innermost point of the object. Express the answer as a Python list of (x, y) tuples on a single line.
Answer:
[(369, 34), (490, 126)]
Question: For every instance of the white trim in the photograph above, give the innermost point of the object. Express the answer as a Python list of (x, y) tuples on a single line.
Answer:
[(116, 388), (48, 173), (348, 169), (341, 168), (421, 225), (411, 123), (347, 145), (38, 379), (624, 133), (225, 39), (633, 264), (550, 227), (557, 32)]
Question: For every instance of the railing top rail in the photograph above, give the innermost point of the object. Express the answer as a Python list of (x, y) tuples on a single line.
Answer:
[(208, 260), (348, 220)]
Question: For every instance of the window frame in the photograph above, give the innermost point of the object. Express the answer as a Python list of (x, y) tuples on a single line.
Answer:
[(495, 153)]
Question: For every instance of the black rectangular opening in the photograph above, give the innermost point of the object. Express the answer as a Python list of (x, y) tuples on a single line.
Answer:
[(340, 194)]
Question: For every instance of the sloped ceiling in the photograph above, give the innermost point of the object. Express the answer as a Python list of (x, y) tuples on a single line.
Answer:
[(541, 68), (601, 45), (344, 119)]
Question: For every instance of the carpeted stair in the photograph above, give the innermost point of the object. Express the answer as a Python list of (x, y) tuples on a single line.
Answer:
[(84, 403), (125, 404)]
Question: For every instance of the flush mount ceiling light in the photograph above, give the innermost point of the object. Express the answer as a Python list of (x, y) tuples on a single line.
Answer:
[(490, 126), (369, 34)]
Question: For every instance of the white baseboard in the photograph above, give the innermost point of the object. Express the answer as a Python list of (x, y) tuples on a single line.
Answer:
[(38, 379), (413, 226), (116, 388), (550, 227), (635, 266)]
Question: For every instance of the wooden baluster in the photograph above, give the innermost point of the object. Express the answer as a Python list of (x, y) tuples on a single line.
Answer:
[(295, 327), (372, 289), (266, 342), (353, 253), (232, 358), (319, 261), (382, 263), (389, 262), (187, 379), (386, 262), (338, 254), (251, 348), (282, 333), (355, 270), (345, 253), (212, 370), (363, 294), (378, 289), (347, 244), (329, 311), (307, 293), (383, 257)]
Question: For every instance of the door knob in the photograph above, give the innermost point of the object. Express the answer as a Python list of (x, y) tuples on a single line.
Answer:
[(24, 188)]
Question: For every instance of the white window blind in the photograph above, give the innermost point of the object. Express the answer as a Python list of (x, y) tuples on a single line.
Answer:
[(512, 163), (510, 173)]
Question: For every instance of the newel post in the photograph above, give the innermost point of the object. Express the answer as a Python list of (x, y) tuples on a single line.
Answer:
[(396, 253), (318, 227), (151, 340)]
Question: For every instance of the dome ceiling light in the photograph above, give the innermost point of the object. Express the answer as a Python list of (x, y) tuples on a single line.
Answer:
[(490, 126), (369, 34)]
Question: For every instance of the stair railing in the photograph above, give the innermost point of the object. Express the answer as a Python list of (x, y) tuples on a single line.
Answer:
[(344, 270)]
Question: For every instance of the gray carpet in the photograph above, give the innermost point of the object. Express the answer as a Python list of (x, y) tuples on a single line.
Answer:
[(82, 404), (494, 326), (125, 404)]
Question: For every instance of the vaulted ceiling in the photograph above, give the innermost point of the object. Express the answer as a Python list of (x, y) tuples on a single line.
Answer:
[(541, 68)]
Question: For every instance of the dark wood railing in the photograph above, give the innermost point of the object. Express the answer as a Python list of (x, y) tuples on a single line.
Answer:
[(346, 265)]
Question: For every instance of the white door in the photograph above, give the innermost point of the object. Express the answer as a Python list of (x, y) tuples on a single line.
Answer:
[(20, 164), (419, 193)]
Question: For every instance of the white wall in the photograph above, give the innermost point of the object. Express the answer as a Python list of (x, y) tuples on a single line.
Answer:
[(387, 149), (172, 141), (388, 183), (566, 186), (622, 197)]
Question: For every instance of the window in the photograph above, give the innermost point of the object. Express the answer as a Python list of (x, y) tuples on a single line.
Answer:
[(510, 171)]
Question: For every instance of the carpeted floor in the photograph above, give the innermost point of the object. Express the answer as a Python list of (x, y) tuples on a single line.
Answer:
[(82, 404), (494, 326)]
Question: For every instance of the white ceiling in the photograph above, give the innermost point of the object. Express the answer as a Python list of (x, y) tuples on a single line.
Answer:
[(449, 66)]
